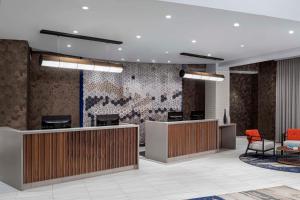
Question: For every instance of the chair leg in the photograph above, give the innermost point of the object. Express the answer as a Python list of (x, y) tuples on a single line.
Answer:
[(263, 148), (247, 149), (274, 147)]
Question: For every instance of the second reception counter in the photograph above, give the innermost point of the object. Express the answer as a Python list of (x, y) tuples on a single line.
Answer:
[(167, 141)]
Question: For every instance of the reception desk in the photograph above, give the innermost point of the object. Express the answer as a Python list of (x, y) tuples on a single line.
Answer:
[(41, 157), (168, 141)]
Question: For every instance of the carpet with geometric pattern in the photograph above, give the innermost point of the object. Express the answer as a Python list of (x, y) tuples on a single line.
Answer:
[(274, 193), (268, 162)]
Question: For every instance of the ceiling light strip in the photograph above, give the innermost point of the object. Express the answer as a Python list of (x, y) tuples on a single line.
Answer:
[(79, 64), (202, 76), (242, 72)]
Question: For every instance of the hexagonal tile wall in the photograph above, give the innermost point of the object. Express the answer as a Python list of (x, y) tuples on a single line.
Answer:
[(155, 90)]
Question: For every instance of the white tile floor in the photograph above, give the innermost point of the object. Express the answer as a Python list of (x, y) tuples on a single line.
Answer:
[(209, 175)]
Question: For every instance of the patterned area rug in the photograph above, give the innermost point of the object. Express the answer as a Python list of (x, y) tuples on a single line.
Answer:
[(268, 162), (274, 193)]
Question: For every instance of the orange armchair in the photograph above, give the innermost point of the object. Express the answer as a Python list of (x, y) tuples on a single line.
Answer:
[(291, 138), (257, 143)]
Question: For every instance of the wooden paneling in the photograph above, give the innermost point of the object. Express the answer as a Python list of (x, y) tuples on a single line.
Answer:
[(189, 138), (55, 155)]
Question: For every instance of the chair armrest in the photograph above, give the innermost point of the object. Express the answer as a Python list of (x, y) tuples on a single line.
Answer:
[(273, 139), (262, 136), (249, 138)]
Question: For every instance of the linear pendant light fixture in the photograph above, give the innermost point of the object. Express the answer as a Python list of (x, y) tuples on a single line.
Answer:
[(201, 76), (80, 64)]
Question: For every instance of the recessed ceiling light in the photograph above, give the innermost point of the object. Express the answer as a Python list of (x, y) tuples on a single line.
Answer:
[(85, 8), (242, 45), (120, 49), (153, 61), (169, 61), (209, 54), (194, 41), (123, 59), (291, 32), (168, 16), (138, 37), (69, 45), (75, 32), (236, 24), (166, 52), (138, 60)]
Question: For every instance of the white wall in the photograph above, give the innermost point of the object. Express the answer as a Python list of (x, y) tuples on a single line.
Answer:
[(210, 100), (210, 95), (281, 55), (217, 94), (223, 94)]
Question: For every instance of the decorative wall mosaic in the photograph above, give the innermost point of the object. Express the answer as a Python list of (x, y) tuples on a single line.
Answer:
[(142, 92)]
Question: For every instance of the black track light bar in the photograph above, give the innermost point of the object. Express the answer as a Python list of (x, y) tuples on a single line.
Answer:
[(201, 56), (81, 37)]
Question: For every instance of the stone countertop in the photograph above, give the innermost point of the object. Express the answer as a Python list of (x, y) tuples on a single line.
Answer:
[(65, 130), (182, 122)]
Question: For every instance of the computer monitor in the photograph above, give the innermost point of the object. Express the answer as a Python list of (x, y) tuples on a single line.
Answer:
[(108, 120), (175, 116), (56, 121), (197, 115)]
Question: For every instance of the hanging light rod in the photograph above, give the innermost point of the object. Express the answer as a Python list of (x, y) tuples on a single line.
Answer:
[(201, 56), (81, 37), (243, 72), (79, 64), (201, 76)]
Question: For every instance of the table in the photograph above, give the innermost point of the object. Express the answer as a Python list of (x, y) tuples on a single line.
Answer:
[(227, 136), (289, 156)]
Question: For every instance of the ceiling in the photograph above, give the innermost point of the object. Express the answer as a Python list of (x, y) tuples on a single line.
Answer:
[(124, 19), (284, 9)]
